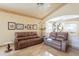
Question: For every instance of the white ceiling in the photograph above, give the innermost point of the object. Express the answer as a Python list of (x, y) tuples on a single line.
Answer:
[(31, 9)]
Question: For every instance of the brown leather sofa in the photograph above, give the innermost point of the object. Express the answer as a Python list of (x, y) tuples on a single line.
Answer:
[(25, 39), (58, 40)]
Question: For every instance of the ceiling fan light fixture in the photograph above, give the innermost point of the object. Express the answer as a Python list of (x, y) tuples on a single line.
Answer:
[(43, 5), (40, 4)]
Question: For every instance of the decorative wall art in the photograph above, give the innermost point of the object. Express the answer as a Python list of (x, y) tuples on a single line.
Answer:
[(31, 26), (57, 27), (19, 26), (11, 25), (34, 26)]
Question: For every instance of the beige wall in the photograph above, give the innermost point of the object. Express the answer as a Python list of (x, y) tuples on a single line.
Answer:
[(8, 35)]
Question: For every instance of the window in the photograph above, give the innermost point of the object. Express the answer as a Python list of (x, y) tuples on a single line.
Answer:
[(70, 27)]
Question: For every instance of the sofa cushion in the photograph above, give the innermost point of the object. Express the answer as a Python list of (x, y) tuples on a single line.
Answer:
[(59, 38), (31, 33), (62, 35), (26, 38), (56, 42), (52, 37), (20, 35), (23, 43), (21, 38), (52, 34), (30, 37), (24, 34)]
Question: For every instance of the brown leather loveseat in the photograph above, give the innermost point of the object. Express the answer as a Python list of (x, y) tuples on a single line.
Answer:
[(58, 40), (25, 39)]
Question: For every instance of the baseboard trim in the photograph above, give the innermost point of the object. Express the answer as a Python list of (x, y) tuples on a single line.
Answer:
[(5, 44)]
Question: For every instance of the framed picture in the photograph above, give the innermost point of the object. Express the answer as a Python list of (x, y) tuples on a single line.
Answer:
[(29, 27), (11, 25), (19, 26), (34, 26)]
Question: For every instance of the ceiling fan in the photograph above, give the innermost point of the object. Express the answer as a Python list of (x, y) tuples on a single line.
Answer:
[(43, 5)]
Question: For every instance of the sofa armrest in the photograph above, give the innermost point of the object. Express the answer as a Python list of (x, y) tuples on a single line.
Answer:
[(64, 45), (16, 44)]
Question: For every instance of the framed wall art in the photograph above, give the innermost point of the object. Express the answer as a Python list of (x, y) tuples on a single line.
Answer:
[(19, 26), (34, 26), (29, 26), (11, 25)]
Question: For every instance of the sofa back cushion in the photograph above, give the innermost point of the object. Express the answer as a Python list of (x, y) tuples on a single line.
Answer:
[(25, 34), (63, 35), (31, 33), (52, 35), (20, 34)]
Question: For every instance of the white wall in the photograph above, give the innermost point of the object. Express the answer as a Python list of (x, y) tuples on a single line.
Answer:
[(68, 9), (73, 32)]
